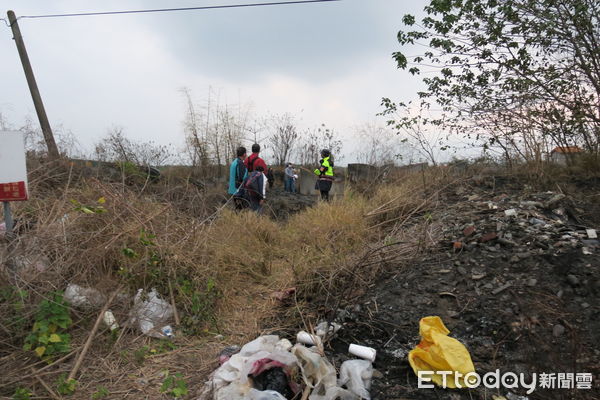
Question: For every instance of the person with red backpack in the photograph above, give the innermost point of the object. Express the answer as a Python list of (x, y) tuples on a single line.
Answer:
[(255, 189), (254, 161)]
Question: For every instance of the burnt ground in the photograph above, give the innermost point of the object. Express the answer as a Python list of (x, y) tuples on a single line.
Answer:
[(281, 204), (520, 292)]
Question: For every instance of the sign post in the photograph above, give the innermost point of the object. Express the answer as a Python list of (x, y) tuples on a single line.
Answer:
[(13, 173)]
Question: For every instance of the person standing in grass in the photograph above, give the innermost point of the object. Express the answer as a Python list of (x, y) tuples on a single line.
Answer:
[(325, 174), (289, 179), (255, 188), (254, 160), (237, 174)]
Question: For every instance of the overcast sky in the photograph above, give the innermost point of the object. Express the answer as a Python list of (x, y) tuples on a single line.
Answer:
[(326, 63)]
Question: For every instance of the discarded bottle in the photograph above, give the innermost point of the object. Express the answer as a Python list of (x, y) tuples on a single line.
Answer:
[(167, 331)]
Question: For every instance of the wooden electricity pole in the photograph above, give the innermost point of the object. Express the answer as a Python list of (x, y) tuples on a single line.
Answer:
[(33, 88)]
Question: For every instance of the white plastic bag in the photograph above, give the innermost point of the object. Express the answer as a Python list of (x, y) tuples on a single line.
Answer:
[(230, 381), (150, 314), (356, 376), (84, 297), (254, 394)]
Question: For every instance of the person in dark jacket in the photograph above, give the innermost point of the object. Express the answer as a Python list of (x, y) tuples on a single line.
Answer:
[(256, 189), (270, 178), (325, 174)]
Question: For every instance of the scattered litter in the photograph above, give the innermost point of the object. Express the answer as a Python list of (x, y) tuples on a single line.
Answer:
[(439, 352), (469, 230), (284, 294), (400, 353), (537, 221), (79, 296), (356, 376), (501, 288), (558, 330), (151, 313), (591, 233), (586, 251), (553, 200), (110, 320), (254, 394), (167, 331), (368, 353), (306, 338), (510, 212), (268, 369), (488, 237), (512, 396), (234, 379), (227, 352), (327, 328)]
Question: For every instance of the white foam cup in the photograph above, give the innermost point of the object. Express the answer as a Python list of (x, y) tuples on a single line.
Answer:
[(368, 353)]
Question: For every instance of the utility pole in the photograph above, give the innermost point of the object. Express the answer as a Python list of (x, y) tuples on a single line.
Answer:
[(33, 88)]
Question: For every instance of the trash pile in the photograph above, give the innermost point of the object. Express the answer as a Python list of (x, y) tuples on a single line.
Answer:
[(270, 368), (149, 313), (543, 223), (514, 274)]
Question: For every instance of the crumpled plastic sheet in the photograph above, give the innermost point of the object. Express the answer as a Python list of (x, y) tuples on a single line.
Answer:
[(150, 313), (230, 381), (320, 376), (356, 375), (79, 296)]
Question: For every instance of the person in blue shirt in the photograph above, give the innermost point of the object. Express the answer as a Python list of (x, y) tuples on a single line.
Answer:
[(237, 174)]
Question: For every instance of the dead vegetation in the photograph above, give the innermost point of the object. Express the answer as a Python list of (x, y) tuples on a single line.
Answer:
[(220, 268)]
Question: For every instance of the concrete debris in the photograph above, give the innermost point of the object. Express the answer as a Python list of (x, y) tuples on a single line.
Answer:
[(573, 280), (554, 200), (501, 288), (468, 231), (558, 330)]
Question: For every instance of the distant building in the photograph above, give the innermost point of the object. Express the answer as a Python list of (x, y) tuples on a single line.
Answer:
[(561, 155)]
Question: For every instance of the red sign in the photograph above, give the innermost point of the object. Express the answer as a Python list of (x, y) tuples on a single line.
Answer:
[(14, 191)]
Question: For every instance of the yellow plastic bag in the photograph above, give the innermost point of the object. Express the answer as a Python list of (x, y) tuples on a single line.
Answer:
[(439, 352)]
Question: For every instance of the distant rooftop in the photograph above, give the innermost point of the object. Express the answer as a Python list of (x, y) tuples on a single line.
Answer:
[(567, 149)]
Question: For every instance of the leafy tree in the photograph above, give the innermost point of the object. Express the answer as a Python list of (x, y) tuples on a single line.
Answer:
[(516, 73)]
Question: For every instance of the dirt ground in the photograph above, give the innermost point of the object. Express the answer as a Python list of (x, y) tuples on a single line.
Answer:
[(520, 292)]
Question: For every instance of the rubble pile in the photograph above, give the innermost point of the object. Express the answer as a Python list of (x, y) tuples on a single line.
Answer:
[(516, 278)]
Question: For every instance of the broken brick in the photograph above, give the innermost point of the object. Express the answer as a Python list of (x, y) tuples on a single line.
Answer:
[(469, 230), (488, 236)]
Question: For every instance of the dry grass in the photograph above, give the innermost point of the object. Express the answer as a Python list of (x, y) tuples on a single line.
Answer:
[(144, 236)]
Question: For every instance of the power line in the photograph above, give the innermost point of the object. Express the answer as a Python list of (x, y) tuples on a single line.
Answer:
[(278, 3)]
